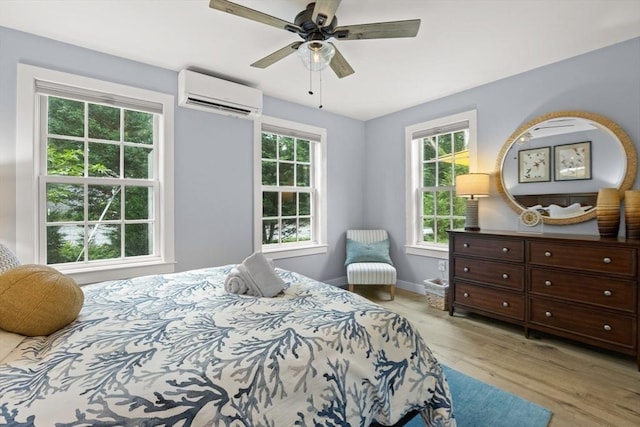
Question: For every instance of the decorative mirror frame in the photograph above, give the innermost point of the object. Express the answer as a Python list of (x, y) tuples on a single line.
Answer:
[(613, 127)]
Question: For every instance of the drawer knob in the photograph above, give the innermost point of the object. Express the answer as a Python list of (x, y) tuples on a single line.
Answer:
[(505, 304), (505, 250), (465, 269), (548, 314), (607, 327), (466, 295), (547, 282), (466, 245), (607, 293), (606, 260), (505, 276), (547, 254)]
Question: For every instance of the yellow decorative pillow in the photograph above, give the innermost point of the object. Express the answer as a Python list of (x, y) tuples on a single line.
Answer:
[(37, 300)]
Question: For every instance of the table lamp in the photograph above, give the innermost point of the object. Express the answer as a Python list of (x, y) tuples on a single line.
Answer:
[(472, 186)]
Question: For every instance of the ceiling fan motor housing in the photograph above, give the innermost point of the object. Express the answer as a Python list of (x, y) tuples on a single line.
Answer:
[(312, 30)]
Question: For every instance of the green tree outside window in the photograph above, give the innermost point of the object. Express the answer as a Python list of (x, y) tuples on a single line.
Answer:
[(287, 189), (444, 156), (88, 221)]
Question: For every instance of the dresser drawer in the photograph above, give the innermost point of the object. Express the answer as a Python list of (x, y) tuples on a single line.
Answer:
[(598, 290), (499, 249), (595, 324), (606, 259), (490, 272), (508, 304)]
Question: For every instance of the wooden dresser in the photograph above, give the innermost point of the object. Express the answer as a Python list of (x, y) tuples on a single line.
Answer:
[(580, 287)]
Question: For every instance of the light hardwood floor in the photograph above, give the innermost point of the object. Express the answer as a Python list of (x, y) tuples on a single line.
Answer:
[(581, 385)]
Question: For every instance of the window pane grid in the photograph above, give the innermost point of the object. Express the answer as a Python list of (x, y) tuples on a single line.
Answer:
[(89, 163), (291, 219), (286, 161), (287, 189), (442, 156)]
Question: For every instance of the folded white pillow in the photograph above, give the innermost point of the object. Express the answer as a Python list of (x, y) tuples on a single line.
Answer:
[(8, 341), (8, 259), (558, 211)]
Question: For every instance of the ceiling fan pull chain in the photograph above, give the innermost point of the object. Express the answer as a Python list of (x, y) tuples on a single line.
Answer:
[(310, 82), (320, 72)]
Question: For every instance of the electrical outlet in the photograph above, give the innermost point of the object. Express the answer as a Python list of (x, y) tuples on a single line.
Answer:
[(442, 265)]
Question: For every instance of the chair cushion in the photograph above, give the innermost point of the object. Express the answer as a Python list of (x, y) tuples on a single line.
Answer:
[(367, 236), (371, 273), (368, 252)]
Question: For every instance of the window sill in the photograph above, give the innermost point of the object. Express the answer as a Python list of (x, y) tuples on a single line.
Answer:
[(440, 252), (84, 276), (295, 251)]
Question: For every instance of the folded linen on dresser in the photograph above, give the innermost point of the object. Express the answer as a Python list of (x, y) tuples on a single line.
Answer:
[(255, 277)]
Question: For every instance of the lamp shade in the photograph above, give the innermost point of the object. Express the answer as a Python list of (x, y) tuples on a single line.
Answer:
[(316, 54), (472, 185)]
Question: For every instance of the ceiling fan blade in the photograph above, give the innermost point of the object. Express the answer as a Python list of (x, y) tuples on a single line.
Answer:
[(324, 11), (339, 65), (378, 30), (276, 56), (254, 15)]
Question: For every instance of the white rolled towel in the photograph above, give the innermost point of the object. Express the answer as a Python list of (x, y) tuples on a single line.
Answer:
[(235, 283), (260, 276), (255, 276)]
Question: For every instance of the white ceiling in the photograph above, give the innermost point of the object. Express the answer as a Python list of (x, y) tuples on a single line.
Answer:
[(461, 43)]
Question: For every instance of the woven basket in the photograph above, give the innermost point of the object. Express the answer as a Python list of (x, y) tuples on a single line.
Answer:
[(437, 294), (436, 301)]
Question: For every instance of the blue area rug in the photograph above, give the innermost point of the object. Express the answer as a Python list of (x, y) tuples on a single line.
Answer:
[(477, 404)]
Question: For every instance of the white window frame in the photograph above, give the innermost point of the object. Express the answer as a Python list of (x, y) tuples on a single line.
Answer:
[(29, 206), (318, 243), (413, 163)]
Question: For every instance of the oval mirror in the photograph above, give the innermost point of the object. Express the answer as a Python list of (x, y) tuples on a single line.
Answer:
[(556, 164)]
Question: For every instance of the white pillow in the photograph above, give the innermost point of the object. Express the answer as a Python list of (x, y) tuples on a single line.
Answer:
[(7, 259), (558, 211), (8, 341)]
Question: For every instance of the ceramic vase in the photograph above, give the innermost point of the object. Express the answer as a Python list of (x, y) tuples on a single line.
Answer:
[(608, 212), (632, 214)]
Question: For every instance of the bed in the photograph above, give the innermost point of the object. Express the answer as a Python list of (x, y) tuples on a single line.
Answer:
[(179, 350)]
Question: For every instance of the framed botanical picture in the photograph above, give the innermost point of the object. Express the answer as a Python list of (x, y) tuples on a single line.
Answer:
[(572, 161), (533, 165)]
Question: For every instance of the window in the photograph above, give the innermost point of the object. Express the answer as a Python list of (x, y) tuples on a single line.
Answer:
[(437, 151), (99, 168), (290, 188)]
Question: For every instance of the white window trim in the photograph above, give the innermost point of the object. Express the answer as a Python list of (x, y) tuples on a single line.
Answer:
[(320, 181), (414, 245), (27, 171)]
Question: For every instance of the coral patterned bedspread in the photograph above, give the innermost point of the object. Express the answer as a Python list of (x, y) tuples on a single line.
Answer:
[(178, 350)]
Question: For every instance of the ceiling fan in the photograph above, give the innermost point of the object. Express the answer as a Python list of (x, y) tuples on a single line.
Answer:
[(315, 25)]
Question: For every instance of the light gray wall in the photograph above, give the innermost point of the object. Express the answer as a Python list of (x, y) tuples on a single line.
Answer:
[(213, 159), (213, 154), (605, 81)]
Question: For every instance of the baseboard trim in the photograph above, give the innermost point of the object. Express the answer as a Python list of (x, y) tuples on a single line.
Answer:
[(340, 282), (411, 287), (417, 288)]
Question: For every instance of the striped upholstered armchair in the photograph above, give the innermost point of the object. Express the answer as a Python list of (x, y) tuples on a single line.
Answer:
[(368, 261)]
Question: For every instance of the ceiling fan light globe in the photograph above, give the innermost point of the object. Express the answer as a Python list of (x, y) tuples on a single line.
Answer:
[(316, 55)]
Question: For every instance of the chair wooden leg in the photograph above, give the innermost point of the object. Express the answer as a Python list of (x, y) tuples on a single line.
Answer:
[(351, 287), (392, 291)]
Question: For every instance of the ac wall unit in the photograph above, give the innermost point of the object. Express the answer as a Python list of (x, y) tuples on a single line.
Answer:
[(207, 93)]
